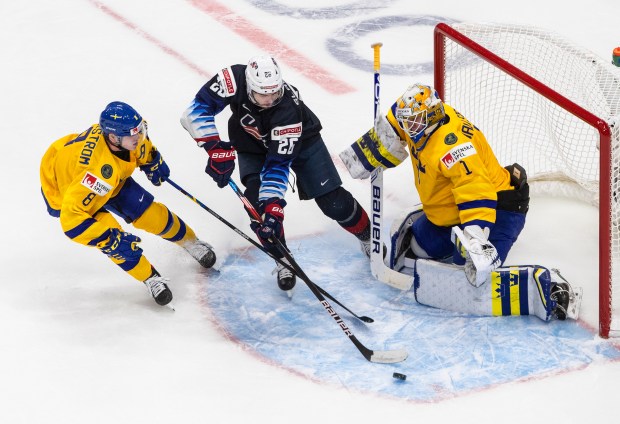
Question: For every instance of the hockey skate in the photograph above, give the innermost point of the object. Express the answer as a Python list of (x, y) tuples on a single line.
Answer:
[(568, 299), (159, 289), (201, 251), (365, 248), (286, 279)]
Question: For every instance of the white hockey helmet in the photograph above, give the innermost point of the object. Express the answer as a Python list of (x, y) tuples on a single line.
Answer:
[(419, 110), (263, 76)]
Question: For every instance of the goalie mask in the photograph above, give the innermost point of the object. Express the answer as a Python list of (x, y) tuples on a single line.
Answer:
[(419, 110), (263, 77)]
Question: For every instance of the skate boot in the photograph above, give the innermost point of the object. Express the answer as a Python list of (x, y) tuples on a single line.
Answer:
[(159, 289), (286, 279), (365, 248), (201, 251), (567, 297), (560, 293)]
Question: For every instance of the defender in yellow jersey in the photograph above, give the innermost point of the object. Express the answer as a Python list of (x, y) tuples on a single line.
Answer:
[(86, 176)]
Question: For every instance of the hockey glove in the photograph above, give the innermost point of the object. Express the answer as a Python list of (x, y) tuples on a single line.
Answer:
[(481, 257), (273, 218), (221, 163), (380, 146), (157, 171), (121, 246)]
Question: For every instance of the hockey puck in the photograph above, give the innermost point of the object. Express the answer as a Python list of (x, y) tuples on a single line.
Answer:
[(399, 376)]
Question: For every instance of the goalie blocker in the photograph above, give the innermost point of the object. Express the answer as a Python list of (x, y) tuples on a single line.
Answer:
[(380, 146), (509, 290)]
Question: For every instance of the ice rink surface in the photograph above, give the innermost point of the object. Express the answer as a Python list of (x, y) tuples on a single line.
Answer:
[(82, 342)]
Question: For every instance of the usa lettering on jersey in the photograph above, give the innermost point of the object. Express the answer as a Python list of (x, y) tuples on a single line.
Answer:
[(95, 184), (457, 153)]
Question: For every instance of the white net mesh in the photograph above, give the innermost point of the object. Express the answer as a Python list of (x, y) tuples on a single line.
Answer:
[(559, 151)]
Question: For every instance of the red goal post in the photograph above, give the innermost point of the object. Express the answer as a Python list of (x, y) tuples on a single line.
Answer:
[(554, 108)]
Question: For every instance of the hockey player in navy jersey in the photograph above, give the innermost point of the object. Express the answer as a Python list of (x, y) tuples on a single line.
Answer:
[(271, 131)]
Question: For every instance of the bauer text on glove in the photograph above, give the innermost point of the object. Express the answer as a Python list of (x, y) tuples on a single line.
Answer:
[(273, 218), (221, 163)]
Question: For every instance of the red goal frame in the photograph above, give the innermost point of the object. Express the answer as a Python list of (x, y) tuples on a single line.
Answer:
[(443, 31)]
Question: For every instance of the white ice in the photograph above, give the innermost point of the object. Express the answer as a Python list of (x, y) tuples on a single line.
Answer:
[(83, 343)]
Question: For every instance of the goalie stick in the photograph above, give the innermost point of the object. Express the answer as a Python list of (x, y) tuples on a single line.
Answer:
[(378, 356), (377, 267), (245, 236)]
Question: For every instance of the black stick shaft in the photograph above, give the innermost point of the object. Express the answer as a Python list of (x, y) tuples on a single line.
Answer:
[(259, 246), (367, 353)]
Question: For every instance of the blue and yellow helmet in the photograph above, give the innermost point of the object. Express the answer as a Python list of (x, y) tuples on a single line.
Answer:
[(120, 119)]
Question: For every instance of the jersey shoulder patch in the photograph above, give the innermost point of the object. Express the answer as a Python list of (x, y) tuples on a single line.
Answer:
[(225, 84), (457, 153)]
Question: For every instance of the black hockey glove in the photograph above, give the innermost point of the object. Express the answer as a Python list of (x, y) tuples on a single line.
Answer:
[(157, 171), (221, 163), (121, 245), (273, 216)]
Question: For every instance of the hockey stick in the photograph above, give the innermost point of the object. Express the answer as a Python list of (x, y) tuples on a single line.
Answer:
[(259, 246), (377, 267), (385, 356)]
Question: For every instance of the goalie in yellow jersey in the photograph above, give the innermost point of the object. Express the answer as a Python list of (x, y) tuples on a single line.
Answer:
[(472, 211), (86, 176)]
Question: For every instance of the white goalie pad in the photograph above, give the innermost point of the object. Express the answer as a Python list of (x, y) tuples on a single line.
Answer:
[(517, 290), (400, 238), (378, 147)]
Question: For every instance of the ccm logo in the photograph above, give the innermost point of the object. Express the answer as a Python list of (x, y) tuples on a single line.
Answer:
[(223, 155)]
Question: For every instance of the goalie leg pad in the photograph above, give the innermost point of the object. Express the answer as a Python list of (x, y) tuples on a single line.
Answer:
[(517, 290), (401, 237)]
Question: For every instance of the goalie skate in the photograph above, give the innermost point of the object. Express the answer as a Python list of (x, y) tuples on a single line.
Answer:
[(567, 297)]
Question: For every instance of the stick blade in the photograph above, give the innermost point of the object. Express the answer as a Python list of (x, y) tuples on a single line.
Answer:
[(388, 356)]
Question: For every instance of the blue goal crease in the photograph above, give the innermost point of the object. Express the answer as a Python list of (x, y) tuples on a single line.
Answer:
[(449, 354)]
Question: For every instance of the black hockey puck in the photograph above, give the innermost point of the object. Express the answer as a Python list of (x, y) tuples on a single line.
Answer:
[(399, 376)]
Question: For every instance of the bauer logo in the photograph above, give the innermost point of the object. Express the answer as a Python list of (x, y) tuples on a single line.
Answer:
[(289, 131), (458, 153), (95, 184)]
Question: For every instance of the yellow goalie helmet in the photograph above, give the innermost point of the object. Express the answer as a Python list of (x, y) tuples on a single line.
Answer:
[(419, 110)]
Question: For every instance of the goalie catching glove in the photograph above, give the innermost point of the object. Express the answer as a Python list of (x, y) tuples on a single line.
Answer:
[(379, 147), (480, 254)]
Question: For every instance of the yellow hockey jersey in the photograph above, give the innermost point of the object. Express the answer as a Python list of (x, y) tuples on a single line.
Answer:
[(457, 175), (79, 174)]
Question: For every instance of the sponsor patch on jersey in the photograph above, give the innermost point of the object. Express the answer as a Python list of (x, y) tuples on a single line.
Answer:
[(450, 139), (287, 131), (457, 153), (95, 184), (106, 171), (226, 85)]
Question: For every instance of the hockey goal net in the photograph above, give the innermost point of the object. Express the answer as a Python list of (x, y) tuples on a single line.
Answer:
[(554, 108)]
